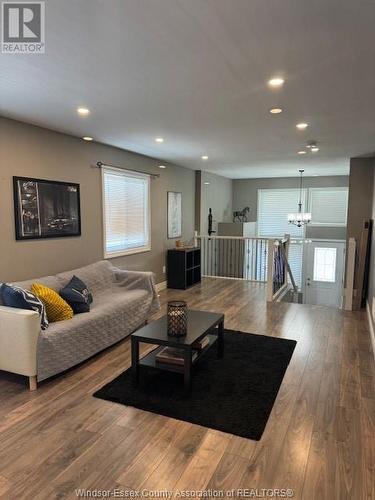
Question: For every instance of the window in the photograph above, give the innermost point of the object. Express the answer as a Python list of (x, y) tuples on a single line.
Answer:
[(328, 206), (274, 205), (325, 264), (126, 212)]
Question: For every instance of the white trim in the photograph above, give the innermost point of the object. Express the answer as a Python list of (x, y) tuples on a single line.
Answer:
[(328, 240), (131, 251), (161, 286), (349, 273), (286, 290), (326, 224), (200, 237), (371, 327), (270, 255), (231, 278), (135, 250), (281, 291)]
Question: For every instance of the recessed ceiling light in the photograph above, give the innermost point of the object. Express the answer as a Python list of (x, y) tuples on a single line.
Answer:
[(87, 138), (204, 157), (314, 149), (276, 82), (302, 152), (159, 139), (207, 183), (162, 166), (276, 111), (83, 111), (302, 126)]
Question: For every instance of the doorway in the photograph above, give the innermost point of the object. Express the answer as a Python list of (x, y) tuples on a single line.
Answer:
[(324, 268)]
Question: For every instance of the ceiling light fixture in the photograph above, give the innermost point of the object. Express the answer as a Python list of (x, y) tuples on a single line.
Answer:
[(159, 139), (276, 111), (302, 126), (162, 166), (207, 183), (314, 149), (204, 157), (302, 152), (87, 138), (300, 218), (83, 111), (276, 82)]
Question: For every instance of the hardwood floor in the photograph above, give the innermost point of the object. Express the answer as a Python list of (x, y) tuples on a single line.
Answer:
[(319, 440)]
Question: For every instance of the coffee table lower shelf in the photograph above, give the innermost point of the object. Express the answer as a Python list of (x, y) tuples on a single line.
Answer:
[(200, 324), (150, 358)]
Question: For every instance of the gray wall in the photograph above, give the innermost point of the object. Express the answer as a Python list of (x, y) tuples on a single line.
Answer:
[(361, 206), (26, 150), (371, 288), (217, 195), (245, 193), (360, 195)]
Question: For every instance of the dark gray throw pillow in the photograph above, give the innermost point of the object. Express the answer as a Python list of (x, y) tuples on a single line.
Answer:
[(77, 295)]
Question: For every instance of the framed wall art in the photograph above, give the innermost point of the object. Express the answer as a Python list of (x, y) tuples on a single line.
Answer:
[(46, 209), (174, 214)]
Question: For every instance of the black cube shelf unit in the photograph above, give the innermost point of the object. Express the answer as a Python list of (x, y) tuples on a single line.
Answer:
[(183, 267)]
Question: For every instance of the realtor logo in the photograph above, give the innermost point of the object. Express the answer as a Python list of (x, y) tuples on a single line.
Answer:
[(23, 28)]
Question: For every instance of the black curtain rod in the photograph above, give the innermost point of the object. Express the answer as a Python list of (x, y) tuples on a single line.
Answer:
[(100, 164)]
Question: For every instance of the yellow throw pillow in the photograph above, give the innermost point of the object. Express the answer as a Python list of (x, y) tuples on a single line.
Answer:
[(56, 307)]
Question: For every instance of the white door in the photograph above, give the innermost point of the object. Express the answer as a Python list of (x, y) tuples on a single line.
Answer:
[(324, 267)]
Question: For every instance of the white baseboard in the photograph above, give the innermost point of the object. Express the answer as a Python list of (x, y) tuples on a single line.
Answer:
[(161, 286), (371, 327)]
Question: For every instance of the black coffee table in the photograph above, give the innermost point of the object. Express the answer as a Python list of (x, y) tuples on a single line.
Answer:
[(199, 325)]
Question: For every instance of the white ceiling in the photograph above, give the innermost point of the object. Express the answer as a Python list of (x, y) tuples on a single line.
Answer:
[(195, 72)]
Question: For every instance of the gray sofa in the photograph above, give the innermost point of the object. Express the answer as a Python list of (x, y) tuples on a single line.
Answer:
[(123, 301)]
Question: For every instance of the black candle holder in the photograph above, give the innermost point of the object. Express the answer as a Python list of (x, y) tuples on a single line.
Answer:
[(177, 318)]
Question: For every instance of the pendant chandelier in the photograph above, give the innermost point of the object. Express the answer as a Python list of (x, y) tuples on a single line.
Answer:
[(300, 218)]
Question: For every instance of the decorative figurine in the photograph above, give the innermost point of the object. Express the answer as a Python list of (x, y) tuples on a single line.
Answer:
[(210, 219), (241, 215)]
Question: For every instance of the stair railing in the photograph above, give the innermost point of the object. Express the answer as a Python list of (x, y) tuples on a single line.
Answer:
[(279, 269)]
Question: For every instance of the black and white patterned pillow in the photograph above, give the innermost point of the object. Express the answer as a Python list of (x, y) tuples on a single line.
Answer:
[(15, 296)]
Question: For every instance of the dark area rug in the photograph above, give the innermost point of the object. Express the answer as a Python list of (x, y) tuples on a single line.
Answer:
[(234, 394)]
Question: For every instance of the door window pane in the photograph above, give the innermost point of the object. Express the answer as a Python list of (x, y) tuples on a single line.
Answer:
[(325, 264)]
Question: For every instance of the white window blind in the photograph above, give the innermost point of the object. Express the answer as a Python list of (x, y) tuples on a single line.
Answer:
[(126, 211), (295, 261), (328, 206), (274, 205)]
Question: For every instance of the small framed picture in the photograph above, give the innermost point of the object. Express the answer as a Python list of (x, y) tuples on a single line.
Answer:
[(46, 209), (174, 214)]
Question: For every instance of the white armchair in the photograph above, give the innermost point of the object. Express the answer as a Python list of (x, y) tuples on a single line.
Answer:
[(19, 331)]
